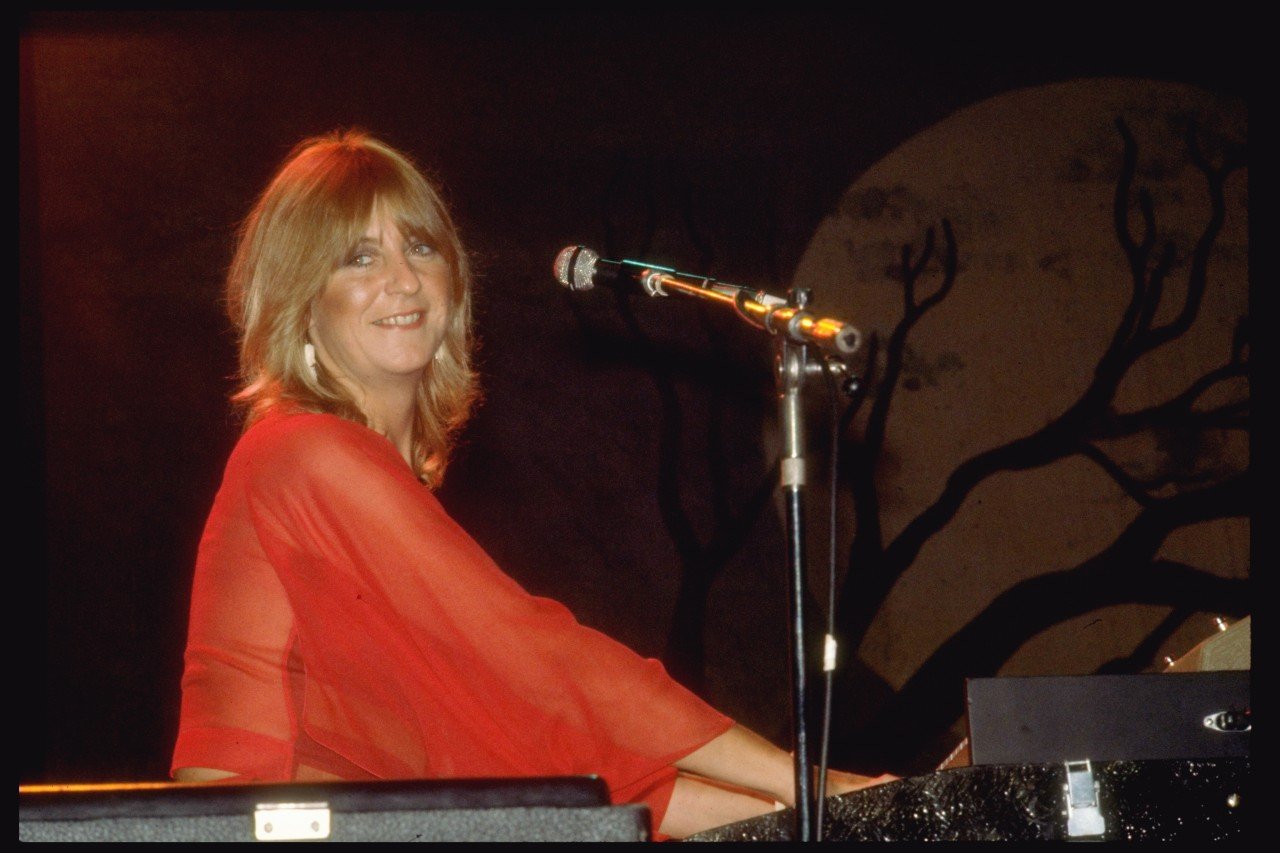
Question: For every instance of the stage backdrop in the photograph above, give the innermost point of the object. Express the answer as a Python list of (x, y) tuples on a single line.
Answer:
[(1042, 473)]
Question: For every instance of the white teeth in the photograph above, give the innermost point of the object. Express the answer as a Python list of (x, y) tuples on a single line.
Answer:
[(400, 319)]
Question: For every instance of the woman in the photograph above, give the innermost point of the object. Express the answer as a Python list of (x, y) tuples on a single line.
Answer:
[(342, 625)]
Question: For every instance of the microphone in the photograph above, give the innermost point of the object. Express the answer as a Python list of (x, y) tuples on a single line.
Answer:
[(579, 268)]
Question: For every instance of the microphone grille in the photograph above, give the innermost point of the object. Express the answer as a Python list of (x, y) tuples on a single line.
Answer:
[(848, 340), (575, 267)]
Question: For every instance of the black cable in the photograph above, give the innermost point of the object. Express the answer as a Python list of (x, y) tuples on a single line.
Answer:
[(828, 674)]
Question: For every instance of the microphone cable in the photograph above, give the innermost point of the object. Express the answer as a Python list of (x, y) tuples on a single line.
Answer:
[(829, 648)]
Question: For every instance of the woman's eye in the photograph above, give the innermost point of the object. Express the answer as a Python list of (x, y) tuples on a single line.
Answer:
[(421, 249), (361, 259)]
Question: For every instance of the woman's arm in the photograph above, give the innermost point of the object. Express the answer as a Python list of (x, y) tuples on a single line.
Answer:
[(743, 758), (699, 804), (743, 776), (201, 774)]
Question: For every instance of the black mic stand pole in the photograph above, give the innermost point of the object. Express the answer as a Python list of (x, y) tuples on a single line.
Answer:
[(794, 330), (791, 371)]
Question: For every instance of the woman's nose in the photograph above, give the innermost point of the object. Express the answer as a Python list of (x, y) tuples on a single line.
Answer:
[(402, 277)]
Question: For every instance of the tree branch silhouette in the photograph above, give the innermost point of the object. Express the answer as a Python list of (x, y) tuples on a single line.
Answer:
[(875, 568), (1137, 489), (701, 557), (913, 311), (859, 460), (1142, 657), (1128, 570)]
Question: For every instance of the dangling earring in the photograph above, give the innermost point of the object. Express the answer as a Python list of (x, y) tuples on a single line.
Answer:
[(309, 356)]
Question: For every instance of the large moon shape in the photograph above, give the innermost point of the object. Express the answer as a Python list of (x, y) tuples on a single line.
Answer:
[(1028, 180)]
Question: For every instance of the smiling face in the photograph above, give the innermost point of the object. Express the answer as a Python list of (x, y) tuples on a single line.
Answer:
[(382, 314)]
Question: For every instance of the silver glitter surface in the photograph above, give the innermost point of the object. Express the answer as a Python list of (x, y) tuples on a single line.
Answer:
[(1139, 801)]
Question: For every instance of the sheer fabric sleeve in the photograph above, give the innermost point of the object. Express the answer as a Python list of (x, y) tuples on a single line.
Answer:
[(422, 658), (237, 711)]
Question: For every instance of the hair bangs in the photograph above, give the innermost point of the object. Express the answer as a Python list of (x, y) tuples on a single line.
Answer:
[(418, 213)]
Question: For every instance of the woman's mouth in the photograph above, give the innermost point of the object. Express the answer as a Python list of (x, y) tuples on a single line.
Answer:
[(410, 320)]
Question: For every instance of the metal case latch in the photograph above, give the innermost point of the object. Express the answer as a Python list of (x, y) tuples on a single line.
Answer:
[(1083, 815), (1229, 721), (291, 821)]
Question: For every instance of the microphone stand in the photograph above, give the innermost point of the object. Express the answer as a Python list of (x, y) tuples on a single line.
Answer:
[(795, 330), (793, 367), (791, 373)]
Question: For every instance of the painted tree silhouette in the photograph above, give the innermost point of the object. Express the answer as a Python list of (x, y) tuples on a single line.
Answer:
[(1128, 570), (724, 377)]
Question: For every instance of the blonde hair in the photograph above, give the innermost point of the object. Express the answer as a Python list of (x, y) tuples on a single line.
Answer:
[(303, 227)]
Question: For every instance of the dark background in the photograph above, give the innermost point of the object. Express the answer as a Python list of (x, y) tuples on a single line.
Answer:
[(710, 142)]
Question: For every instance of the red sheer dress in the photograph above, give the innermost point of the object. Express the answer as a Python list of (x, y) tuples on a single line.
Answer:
[(343, 625)]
